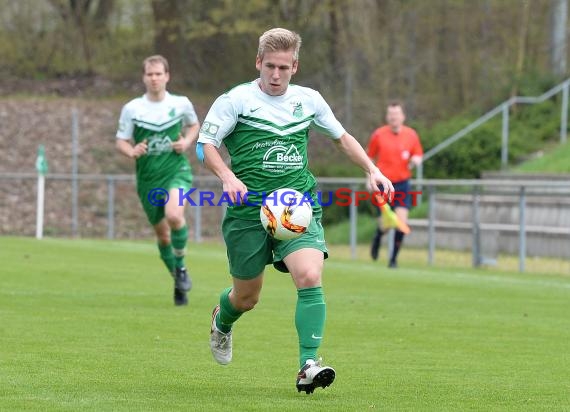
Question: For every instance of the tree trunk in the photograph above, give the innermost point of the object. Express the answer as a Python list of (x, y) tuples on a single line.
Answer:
[(443, 49), (412, 65), (485, 48), (522, 43), (169, 37), (559, 15), (91, 25), (80, 16), (102, 14)]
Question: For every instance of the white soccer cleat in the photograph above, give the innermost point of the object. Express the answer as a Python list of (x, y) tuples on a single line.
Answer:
[(314, 375), (220, 343)]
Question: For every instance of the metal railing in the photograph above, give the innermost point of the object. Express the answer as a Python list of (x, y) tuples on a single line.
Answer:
[(111, 181), (476, 186), (504, 109), (563, 189)]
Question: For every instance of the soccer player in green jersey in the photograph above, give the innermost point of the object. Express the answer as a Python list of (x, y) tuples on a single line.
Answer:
[(264, 124), (156, 129)]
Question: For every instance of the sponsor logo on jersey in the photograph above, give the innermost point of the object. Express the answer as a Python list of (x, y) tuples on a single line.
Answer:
[(268, 143), (158, 145), (280, 158)]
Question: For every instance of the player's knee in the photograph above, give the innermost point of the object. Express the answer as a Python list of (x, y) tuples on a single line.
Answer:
[(309, 279), (174, 219)]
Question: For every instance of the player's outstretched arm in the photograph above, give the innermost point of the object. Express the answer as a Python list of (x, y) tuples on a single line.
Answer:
[(132, 152), (350, 146), (230, 183)]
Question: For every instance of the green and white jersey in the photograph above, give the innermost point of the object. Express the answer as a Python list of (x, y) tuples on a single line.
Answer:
[(266, 137), (160, 124)]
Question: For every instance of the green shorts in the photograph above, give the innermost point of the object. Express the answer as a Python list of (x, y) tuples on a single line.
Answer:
[(154, 213), (250, 248)]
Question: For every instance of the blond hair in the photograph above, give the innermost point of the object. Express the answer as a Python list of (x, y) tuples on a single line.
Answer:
[(157, 58), (279, 39)]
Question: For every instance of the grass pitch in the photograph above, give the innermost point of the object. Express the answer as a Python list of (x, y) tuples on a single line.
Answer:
[(90, 325)]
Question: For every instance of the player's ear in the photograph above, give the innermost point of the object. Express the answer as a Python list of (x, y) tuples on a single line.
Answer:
[(294, 67), (258, 63)]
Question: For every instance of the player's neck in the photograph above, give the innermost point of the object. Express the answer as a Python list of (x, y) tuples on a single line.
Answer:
[(396, 129), (156, 97)]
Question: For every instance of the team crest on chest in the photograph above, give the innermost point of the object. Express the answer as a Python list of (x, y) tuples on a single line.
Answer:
[(297, 109)]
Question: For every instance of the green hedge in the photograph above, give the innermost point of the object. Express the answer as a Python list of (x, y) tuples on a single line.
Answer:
[(530, 127)]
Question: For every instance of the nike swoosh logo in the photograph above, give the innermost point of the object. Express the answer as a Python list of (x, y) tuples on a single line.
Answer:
[(316, 337), (320, 241), (254, 110)]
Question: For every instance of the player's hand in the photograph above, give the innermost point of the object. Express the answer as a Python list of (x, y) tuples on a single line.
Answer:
[(415, 161), (375, 179), (181, 145), (139, 149), (234, 187)]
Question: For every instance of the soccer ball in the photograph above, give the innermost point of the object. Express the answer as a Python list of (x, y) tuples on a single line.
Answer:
[(286, 214)]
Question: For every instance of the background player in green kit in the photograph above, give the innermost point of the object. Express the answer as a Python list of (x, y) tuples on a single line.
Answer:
[(162, 126), (264, 124)]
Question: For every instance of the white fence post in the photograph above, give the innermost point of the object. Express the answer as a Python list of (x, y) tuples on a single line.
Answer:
[(110, 207), (74, 171), (420, 178), (198, 223), (564, 114), (42, 168), (431, 224), (476, 246), (40, 207), (522, 229), (505, 137)]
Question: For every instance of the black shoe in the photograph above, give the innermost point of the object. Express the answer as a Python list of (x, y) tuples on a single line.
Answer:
[(180, 297), (393, 264), (181, 280)]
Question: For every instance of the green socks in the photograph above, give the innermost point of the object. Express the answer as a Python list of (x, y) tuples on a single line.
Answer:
[(179, 239), (310, 318), (173, 254), (227, 314), (167, 256)]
